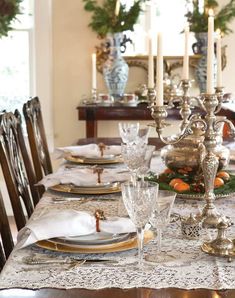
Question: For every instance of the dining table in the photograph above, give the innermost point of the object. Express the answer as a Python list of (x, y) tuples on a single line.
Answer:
[(191, 274)]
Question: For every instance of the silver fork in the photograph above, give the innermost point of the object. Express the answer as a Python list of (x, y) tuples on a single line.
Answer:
[(35, 260)]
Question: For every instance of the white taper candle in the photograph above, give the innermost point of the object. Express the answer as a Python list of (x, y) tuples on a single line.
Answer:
[(150, 63), (185, 73), (117, 7), (94, 84), (159, 79), (210, 54), (219, 62)]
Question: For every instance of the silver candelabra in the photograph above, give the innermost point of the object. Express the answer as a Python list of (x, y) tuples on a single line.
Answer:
[(211, 127)]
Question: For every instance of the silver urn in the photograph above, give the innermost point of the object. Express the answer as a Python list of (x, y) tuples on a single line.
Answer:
[(188, 153)]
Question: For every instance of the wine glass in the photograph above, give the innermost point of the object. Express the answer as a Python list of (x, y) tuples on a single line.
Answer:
[(128, 131), (139, 200), (143, 170), (133, 156), (159, 219), (143, 134)]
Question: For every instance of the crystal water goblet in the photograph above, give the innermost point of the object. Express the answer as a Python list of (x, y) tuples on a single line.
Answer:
[(159, 219), (133, 156), (143, 134), (139, 200), (143, 170), (128, 131)]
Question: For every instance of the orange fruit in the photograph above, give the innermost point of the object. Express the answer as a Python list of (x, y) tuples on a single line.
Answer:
[(224, 175), (218, 182), (168, 171), (181, 186), (174, 181)]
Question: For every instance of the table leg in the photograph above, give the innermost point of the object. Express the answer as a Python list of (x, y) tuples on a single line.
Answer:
[(91, 129)]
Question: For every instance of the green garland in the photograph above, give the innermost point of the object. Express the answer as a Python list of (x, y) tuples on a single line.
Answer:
[(199, 21), (9, 9), (104, 21)]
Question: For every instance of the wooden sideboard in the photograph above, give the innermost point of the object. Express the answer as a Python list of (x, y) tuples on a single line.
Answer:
[(94, 113)]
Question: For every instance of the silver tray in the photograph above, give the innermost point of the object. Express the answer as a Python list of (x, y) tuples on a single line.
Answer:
[(200, 196)]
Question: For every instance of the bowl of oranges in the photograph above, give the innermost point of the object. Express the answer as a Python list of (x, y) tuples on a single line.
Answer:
[(191, 186)]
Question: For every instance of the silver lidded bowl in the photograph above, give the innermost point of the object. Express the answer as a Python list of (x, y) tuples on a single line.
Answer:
[(186, 153)]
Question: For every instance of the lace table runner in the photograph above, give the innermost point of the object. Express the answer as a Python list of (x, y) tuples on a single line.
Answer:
[(190, 269)]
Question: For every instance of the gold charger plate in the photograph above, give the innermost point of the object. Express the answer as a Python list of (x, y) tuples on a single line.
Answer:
[(206, 247), (73, 189), (86, 160), (114, 247)]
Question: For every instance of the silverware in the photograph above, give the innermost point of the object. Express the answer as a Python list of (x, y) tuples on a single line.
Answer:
[(34, 260), (80, 200), (63, 199)]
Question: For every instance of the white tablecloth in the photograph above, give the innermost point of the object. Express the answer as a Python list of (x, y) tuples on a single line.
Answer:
[(191, 268)]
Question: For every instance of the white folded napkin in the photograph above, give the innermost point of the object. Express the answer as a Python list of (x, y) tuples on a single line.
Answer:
[(90, 151), (62, 223), (83, 177)]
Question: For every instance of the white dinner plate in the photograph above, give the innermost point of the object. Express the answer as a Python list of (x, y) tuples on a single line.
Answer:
[(96, 239)]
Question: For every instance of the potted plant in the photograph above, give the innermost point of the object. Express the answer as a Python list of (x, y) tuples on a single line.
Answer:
[(109, 20), (198, 21), (9, 9)]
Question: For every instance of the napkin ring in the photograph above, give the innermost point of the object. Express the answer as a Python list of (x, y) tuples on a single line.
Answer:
[(102, 147), (98, 171), (99, 215)]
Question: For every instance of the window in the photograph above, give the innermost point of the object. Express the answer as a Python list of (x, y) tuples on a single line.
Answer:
[(16, 61), (167, 16)]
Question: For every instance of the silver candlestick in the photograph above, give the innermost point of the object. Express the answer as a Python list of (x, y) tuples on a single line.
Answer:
[(210, 127), (94, 95)]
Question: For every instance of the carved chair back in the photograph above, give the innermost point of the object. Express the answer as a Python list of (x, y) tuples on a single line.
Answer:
[(15, 171), (6, 244), (37, 138)]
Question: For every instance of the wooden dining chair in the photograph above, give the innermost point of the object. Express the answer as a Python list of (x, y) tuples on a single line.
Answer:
[(17, 169), (37, 138), (6, 244)]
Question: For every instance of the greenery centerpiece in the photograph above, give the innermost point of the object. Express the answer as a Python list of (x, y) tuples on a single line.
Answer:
[(198, 21), (9, 9), (104, 20), (110, 18), (198, 18)]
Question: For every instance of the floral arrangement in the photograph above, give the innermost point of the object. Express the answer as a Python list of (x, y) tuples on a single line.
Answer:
[(198, 19), (9, 9), (104, 20)]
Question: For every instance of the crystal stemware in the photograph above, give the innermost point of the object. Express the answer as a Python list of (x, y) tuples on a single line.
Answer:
[(139, 200), (143, 170), (128, 131), (133, 156), (159, 219), (143, 134)]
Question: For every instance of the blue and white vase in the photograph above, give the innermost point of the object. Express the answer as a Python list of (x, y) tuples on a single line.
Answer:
[(115, 69), (200, 47)]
